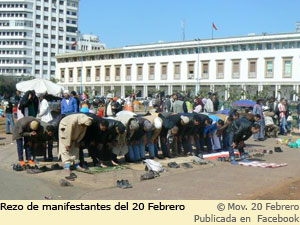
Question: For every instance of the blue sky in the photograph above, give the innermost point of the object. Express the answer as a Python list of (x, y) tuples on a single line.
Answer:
[(128, 22)]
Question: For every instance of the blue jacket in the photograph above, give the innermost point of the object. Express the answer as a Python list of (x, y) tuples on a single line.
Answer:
[(69, 108)]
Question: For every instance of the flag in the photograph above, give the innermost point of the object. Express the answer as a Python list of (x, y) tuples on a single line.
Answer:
[(214, 26), (74, 44)]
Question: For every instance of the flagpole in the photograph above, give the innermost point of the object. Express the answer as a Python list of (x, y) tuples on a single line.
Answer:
[(212, 31)]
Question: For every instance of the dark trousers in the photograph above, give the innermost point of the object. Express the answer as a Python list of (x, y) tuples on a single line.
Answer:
[(49, 150), (20, 148)]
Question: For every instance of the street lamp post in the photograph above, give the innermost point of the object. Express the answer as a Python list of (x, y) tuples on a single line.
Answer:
[(198, 68)]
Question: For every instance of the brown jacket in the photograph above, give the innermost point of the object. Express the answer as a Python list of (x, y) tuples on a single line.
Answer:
[(73, 127), (22, 127)]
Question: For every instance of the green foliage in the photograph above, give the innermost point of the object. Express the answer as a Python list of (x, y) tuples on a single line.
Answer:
[(7, 84)]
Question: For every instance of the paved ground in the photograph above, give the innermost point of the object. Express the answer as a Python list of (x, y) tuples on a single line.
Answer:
[(218, 180)]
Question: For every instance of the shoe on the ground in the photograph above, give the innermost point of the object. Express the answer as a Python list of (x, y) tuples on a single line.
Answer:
[(234, 162), (126, 184), (187, 165), (33, 171), (173, 165), (265, 151), (152, 158), (65, 183), (159, 157), (56, 166), (270, 152), (149, 175), (31, 163), (18, 167), (45, 169), (277, 149)]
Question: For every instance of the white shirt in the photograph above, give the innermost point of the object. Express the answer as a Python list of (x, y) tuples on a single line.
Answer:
[(44, 111)]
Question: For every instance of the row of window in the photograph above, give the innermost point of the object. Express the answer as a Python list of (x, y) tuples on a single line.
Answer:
[(46, 9), (46, 45), (53, 19), (220, 70), (21, 34), (13, 15), (13, 61), (11, 43), (45, 63), (12, 52), (37, 53), (13, 5), (45, 72), (14, 71), (184, 51)]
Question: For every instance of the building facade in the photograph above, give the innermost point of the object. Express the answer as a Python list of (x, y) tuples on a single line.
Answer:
[(89, 42), (32, 32), (252, 63)]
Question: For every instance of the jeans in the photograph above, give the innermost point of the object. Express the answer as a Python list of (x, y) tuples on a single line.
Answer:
[(261, 134), (9, 122), (133, 152), (49, 149), (20, 148), (150, 145), (282, 126)]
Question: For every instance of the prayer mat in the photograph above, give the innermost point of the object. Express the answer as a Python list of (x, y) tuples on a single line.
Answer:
[(94, 170), (262, 165), (218, 155)]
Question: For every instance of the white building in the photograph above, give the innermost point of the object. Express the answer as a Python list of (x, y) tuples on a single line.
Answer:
[(89, 42), (252, 63), (32, 32)]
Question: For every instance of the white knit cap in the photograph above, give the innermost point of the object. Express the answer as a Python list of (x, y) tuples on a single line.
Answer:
[(157, 123), (66, 91), (185, 119)]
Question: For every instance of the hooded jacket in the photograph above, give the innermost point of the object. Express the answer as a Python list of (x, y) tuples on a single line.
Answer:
[(22, 127), (241, 129)]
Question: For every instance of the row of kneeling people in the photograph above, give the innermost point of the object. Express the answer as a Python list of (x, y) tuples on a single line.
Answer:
[(131, 136)]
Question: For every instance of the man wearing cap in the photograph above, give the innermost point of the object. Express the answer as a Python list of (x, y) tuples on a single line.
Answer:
[(68, 104), (26, 128), (72, 129), (153, 130)]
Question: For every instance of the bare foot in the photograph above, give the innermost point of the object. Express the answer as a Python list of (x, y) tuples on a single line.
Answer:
[(114, 163), (103, 165)]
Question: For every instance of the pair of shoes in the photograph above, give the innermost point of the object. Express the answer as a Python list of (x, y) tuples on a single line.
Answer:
[(31, 163), (277, 149), (159, 157), (22, 163), (199, 161), (173, 165), (18, 167), (45, 169), (123, 184), (65, 183), (71, 177), (187, 165), (33, 171), (149, 175)]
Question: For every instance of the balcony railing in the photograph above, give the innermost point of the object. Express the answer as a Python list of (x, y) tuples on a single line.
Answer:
[(220, 75), (140, 77), (252, 75), (204, 75), (236, 75), (176, 76), (62, 79), (107, 78), (128, 77), (118, 78), (78, 79), (70, 79), (191, 76), (88, 79), (151, 77), (269, 75), (97, 78), (164, 76)]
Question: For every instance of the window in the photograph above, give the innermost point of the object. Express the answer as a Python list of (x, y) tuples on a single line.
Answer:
[(118, 73), (164, 71), (128, 72), (287, 67), (269, 67), (277, 45), (243, 47), (70, 75), (45, 63), (236, 69), (45, 53), (269, 45), (37, 53), (205, 70), (220, 69), (177, 71), (191, 70), (252, 68), (212, 49), (220, 49), (62, 75), (139, 72), (78, 74), (205, 50), (235, 48), (97, 74), (88, 74), (45, 45), (37, 62), (227, 48), (107, 73), (151, 71)]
